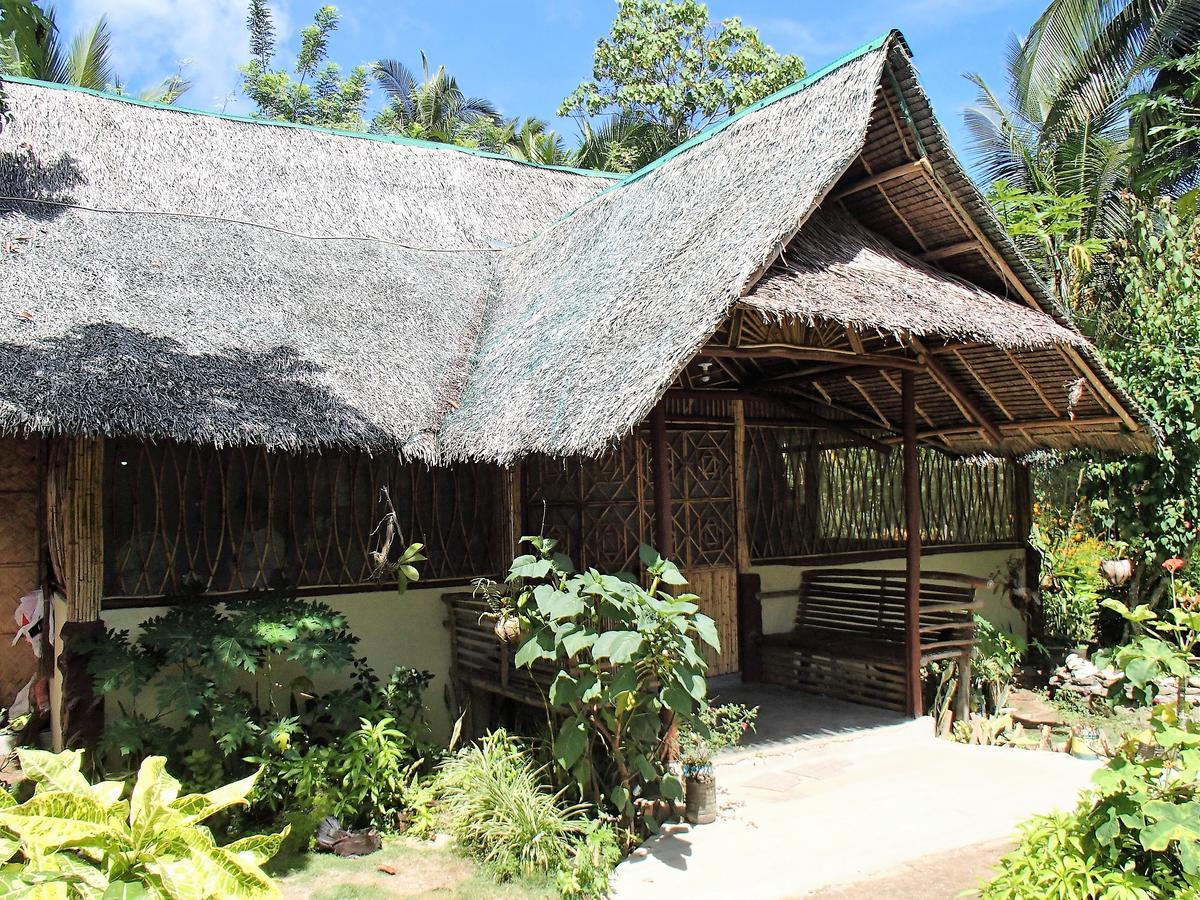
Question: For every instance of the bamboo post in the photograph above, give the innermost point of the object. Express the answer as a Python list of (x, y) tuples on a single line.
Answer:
[(74, 511), (664, 524), (739, 484), (664, 537), (912, 540)]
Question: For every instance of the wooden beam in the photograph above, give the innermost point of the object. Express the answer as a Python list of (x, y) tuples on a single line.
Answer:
[(900, 171), (664, 521), (957, 392), (814, 354), (950, 250), (1001, 264), (810, 417), (912, 544), (739, 487), (1034, 425)]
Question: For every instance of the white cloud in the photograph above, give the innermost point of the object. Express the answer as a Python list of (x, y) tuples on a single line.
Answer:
[(151, 38)]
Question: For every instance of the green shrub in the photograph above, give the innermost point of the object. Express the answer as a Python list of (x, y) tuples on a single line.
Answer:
[(234, 685), (72, 839), (1072, 586), (502, 814), (714, 729)]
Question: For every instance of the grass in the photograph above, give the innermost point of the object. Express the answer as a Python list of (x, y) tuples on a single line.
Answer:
[(422, 870)]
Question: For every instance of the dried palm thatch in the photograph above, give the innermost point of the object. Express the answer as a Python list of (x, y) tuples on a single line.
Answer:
[(838, 270), (217, 280)]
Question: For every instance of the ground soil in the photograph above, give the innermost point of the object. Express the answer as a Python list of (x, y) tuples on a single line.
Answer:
[(420, 870), (939, 877)]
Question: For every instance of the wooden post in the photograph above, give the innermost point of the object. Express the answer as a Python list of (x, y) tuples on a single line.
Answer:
[(739, 484), (962, 694), (912, 529), (75, 532), (660, 459)]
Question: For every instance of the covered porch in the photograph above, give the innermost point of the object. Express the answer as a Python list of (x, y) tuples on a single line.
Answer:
[(848, 433)]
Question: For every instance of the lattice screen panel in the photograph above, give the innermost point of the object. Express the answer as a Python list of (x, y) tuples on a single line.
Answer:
[(808, 498), (242, 518), (602, 509)]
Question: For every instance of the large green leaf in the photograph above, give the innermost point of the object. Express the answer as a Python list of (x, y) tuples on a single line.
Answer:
[(564, 689), (57, 819), (677, 699), (53, 771), (706, 629), (555, 604), (617, 646), (571, 742), (1174, 822), (578, 641), (125, 890), (537, 646), (258, 848)]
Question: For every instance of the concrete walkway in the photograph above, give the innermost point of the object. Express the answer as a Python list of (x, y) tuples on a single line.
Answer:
[(800, 817)]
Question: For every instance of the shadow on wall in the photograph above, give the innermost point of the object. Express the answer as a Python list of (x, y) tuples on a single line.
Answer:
[(25, 175), (106, 378)]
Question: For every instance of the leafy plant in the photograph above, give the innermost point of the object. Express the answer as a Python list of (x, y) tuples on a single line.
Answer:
[(1135, 834), (718, 727), (1072, 585), (629, 668), (234, 690), (997, 655), (1152, 501), (74, 839)]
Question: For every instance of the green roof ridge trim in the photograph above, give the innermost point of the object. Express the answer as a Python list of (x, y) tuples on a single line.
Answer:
[(322, 129)]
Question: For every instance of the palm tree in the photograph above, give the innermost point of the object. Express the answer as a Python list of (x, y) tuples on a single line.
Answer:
[(625, 142), (433, 109), (87, 62), (34, 49), (1064, 127)]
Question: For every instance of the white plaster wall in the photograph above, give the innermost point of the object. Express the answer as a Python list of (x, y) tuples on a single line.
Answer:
[(779, 614), (406, 630)]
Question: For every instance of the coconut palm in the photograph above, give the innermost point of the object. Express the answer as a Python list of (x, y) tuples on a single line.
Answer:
[(86, 62), (625, 142), (1063, 127), (433, 109)]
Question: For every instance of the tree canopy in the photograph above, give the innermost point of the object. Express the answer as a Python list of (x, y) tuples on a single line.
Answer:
[(663, 67)]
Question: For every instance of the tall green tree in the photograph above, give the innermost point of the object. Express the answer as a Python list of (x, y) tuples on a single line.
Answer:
[(314, 92), (1151, 338), (664, 68)]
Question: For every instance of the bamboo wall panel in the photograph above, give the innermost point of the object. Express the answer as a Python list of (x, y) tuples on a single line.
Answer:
[(807, 496), (717, 589), (20, 558), (75, 522), (237, 519)]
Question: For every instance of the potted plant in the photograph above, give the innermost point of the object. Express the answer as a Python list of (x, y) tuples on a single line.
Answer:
[(717, 727), (504, 602)]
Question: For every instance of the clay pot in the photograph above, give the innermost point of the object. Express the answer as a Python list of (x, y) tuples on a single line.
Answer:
[(508, 629), (1117, 571)]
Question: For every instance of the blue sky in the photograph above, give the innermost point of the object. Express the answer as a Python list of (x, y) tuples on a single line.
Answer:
[(526, 56)]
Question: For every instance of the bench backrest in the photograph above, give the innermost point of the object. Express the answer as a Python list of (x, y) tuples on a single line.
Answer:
[(871, 602)]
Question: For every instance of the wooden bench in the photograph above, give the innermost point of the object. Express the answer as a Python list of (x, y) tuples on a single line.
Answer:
[(847, 640)]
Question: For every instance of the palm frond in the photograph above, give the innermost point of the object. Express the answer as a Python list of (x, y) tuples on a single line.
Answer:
[(89, 62)]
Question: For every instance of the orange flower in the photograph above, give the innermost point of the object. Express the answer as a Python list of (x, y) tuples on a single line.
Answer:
[(1173, 565)]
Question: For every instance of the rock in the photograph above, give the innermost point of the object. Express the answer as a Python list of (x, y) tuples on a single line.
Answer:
[(1030, 710)]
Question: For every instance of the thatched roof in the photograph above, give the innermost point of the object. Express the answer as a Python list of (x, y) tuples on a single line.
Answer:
[(168, 273), (838, 270)]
